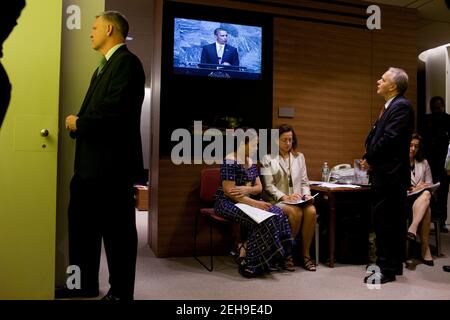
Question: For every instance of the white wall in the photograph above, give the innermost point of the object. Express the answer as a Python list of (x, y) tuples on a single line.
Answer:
[(436, 70)]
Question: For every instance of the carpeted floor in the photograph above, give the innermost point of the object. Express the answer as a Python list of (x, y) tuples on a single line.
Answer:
[(186, 279)]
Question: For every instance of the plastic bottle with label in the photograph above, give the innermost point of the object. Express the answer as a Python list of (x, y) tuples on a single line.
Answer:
[(325, 172)]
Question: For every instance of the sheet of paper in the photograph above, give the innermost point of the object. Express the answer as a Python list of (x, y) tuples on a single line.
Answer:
[(431, 188), (256, 214)]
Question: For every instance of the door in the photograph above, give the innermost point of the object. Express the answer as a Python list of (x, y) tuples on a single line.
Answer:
[(28, 159)]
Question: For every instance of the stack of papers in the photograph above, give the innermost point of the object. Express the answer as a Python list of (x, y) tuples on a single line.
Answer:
[(334, 185), (299, 201), (430, 188)]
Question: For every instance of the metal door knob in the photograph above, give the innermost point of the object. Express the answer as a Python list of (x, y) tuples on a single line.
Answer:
[(44, 132)]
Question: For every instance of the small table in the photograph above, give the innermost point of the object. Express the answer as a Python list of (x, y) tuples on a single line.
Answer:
[(329, 195)]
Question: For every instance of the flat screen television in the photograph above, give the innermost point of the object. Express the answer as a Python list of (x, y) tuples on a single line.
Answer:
[(237, 54)]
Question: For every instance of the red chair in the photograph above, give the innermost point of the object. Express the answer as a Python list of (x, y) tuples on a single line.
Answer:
[(209, 182)]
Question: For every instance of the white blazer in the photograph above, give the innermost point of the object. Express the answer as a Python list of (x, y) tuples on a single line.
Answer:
[(275, 178), (422, 173)]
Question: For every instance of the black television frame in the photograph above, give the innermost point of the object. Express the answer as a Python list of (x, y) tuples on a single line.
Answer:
[(174, 10), (188, 98)]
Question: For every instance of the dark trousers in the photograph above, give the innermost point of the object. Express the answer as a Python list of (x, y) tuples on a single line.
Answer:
[(440, 207), (103, 209), (390, 228)]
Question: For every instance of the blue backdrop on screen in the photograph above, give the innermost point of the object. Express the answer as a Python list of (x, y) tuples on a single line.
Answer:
[(191, 35)]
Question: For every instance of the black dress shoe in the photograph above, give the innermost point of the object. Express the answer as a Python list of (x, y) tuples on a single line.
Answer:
[(381, 276), (66, 293), (110, 297), (446, 268), (427, 262), (398, 271)]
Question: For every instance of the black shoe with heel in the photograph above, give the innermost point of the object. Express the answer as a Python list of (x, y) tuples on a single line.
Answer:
[(411, 237), (247, 271), (237, 254), (289, 264)]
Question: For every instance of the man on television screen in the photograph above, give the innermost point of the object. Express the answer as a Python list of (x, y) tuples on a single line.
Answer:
[(220, 52)]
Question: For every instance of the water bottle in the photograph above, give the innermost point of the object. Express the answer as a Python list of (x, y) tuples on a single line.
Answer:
[(325, 172)]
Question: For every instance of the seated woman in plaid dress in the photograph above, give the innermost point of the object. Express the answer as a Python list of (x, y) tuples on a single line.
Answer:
[(267, 242)]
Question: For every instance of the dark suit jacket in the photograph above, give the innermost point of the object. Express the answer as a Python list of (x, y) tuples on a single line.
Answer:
[(387, 146), (209, 55), (436, 139), (108, 138)]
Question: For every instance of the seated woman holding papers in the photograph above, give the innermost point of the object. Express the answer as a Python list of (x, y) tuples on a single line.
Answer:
[(419, 197), (268, 241), (286, 184)]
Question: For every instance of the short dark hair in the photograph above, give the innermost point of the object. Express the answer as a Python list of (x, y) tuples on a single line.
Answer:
[(216, 31), (420, 153), (118, 20), (435, 99), (283, 128), (400, 78)]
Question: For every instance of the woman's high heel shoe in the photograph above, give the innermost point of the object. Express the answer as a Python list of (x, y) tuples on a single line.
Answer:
[(289, 264), (247, 271), (411, 236), (239, 255), (308, 264)]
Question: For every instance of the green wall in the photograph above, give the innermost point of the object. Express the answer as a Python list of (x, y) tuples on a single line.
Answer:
[(49, 66), (78, 62), (27, 168)]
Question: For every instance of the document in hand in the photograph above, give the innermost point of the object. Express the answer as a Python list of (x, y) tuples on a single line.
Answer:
[(256, 214), (299, 201), (429, 188)]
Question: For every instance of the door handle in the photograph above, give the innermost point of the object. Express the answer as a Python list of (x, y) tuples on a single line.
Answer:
[(44, 133)]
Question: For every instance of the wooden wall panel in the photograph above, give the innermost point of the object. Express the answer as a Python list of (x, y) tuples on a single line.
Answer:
[(324, 73), (350, 12)]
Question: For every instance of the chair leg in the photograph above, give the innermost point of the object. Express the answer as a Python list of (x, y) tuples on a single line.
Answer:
[(194, 253), (316, 239), (211, 247), (195, 245), (437, 228), (407, 243)]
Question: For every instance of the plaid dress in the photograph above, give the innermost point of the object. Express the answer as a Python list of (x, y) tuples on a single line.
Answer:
[(271, 239)]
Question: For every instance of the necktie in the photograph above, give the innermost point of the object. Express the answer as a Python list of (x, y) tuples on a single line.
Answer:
[(101, 65), (220, 53), (381, 112)]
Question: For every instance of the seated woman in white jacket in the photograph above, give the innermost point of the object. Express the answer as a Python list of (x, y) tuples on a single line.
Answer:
[(284, 178), (420, 203)]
